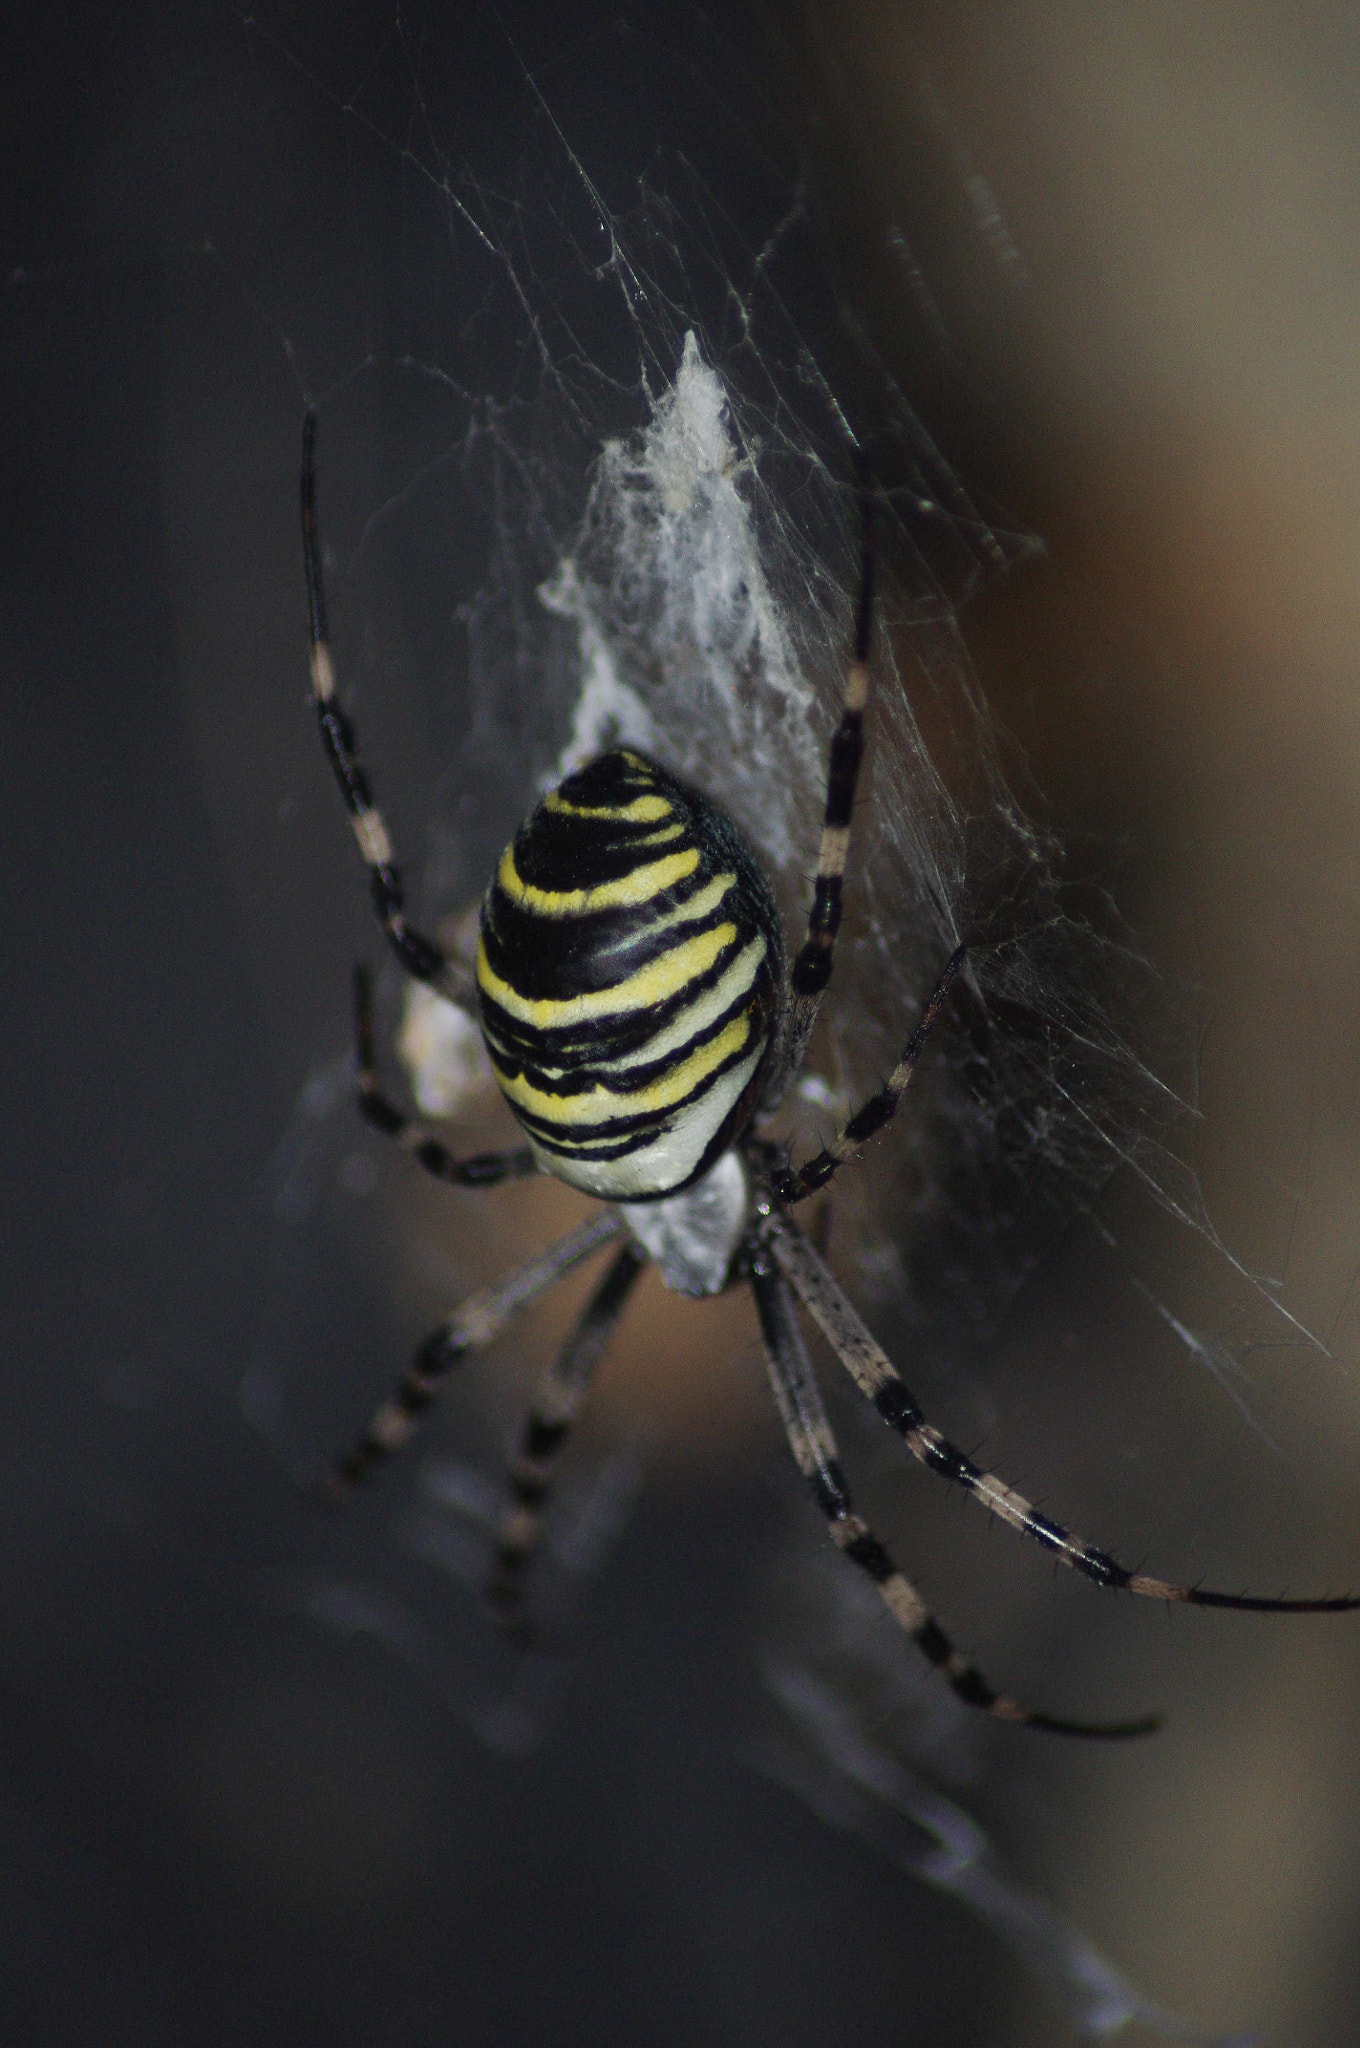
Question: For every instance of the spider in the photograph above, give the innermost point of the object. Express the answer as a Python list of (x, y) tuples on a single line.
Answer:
[(643, 1023)]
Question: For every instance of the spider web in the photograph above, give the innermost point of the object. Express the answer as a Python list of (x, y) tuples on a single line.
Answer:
[(599, 310), (650, 413), (619, 418), (652, 408)]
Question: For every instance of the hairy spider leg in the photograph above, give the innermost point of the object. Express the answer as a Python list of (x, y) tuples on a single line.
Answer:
[(473, 1324), (418, 955), (547, 1426), (481, 1170), (793, 1184), (877, 1378), (812, 967), (805, 1422)]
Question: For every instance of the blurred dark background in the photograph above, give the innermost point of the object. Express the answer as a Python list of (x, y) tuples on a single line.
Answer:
[(1110, 255)]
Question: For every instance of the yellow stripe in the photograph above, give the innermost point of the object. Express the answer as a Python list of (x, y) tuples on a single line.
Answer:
[(701, 904), (643, 810), (701, 1014), (637, 887), (602, 1104), (652, 984)]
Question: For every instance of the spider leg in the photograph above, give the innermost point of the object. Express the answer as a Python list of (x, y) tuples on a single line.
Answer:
[(877, 1378), (791, 1185), (549, 1422), (812, 967), (418, 955), (814, 1448), (482, 1170), (473, 1324)]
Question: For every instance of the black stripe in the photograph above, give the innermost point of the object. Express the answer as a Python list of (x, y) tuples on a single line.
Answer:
[(970, 1685), (339, 737), (567, 1136), (564, 1149), (824, 919), (593, 851), (482, 1170), (381, 1114), (420, 959), (931, 1639), (440, 1352), (811, 970), (847, 751), (1051, 1534), (896, 1406), (880, 1109), (791, 1187), (621, 1076), (604, 1040), (869, 1554), (356, 1465), (950, 1463), (1096, 1565), (560, 958), (828, 1483), (541, 1437)]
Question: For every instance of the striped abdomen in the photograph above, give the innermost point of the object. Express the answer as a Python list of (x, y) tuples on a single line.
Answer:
[(630, 973)]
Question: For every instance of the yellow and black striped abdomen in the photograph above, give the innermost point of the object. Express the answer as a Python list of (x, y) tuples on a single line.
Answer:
[(630, 973)]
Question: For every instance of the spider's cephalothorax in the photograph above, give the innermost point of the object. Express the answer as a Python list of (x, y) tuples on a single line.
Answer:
[(630, 977), (635, 1004)]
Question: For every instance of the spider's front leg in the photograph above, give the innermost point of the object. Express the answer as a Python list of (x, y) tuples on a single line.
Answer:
[(418, 954), (794, 1184), (811, 972)]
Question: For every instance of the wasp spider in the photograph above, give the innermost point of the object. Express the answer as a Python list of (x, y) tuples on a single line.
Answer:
[(642, 1022)]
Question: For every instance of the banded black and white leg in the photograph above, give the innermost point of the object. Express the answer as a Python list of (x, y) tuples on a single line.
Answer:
[(879, 1380), (811, 970), (474, 1324), (814, 1448), (793, 1184), (547, 1426), (481, 1170), (418, 954)]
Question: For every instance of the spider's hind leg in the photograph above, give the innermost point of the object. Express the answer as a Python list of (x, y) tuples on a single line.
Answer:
[(879, 1380), (814, 1448), (472, 1326), (546, 1427)]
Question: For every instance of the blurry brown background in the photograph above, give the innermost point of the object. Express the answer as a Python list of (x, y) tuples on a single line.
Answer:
[(1134, 227)]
